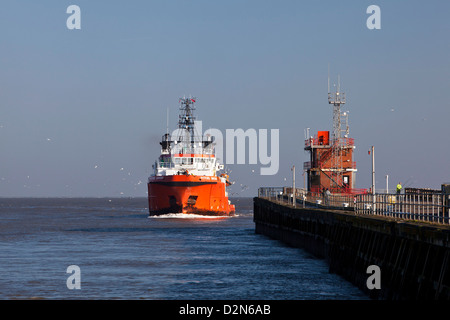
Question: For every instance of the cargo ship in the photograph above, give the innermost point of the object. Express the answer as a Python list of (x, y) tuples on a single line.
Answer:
[(186, 175)]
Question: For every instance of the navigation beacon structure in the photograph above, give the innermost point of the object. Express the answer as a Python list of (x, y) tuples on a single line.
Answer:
[(331, 164)]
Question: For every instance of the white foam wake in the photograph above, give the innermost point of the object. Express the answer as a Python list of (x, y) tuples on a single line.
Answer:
[(186, 216)]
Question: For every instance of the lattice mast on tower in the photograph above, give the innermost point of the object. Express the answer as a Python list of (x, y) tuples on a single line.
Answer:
[(340, 131)]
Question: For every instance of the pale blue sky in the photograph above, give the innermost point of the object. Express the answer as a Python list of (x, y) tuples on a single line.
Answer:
[(71, 100)]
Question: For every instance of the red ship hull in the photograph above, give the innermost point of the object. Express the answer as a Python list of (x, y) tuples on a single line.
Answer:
[(188, 194)]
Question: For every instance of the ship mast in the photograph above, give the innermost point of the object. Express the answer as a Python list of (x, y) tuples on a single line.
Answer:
[(186, 119)]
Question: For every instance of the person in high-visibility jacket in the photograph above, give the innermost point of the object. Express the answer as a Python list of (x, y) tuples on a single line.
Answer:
[(399, 188)]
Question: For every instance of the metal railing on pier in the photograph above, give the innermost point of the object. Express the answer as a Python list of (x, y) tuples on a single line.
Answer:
[(307, 198), (420, 207)]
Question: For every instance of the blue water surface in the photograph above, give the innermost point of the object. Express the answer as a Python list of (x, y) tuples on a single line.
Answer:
[(124, 254)]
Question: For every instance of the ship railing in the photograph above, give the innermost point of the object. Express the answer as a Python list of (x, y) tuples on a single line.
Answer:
[(193, 150), (167, 165), (420, 207), (171, 165)]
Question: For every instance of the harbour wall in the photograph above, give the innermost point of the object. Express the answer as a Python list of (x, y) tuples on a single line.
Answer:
[(414, 258)]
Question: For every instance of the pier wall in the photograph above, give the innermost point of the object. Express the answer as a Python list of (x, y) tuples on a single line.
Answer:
[(414, 258)]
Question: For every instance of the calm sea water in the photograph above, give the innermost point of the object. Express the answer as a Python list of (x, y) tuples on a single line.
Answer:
[(124, 254)]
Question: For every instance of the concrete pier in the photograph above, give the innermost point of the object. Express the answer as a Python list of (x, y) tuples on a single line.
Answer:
[(414, 258)]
